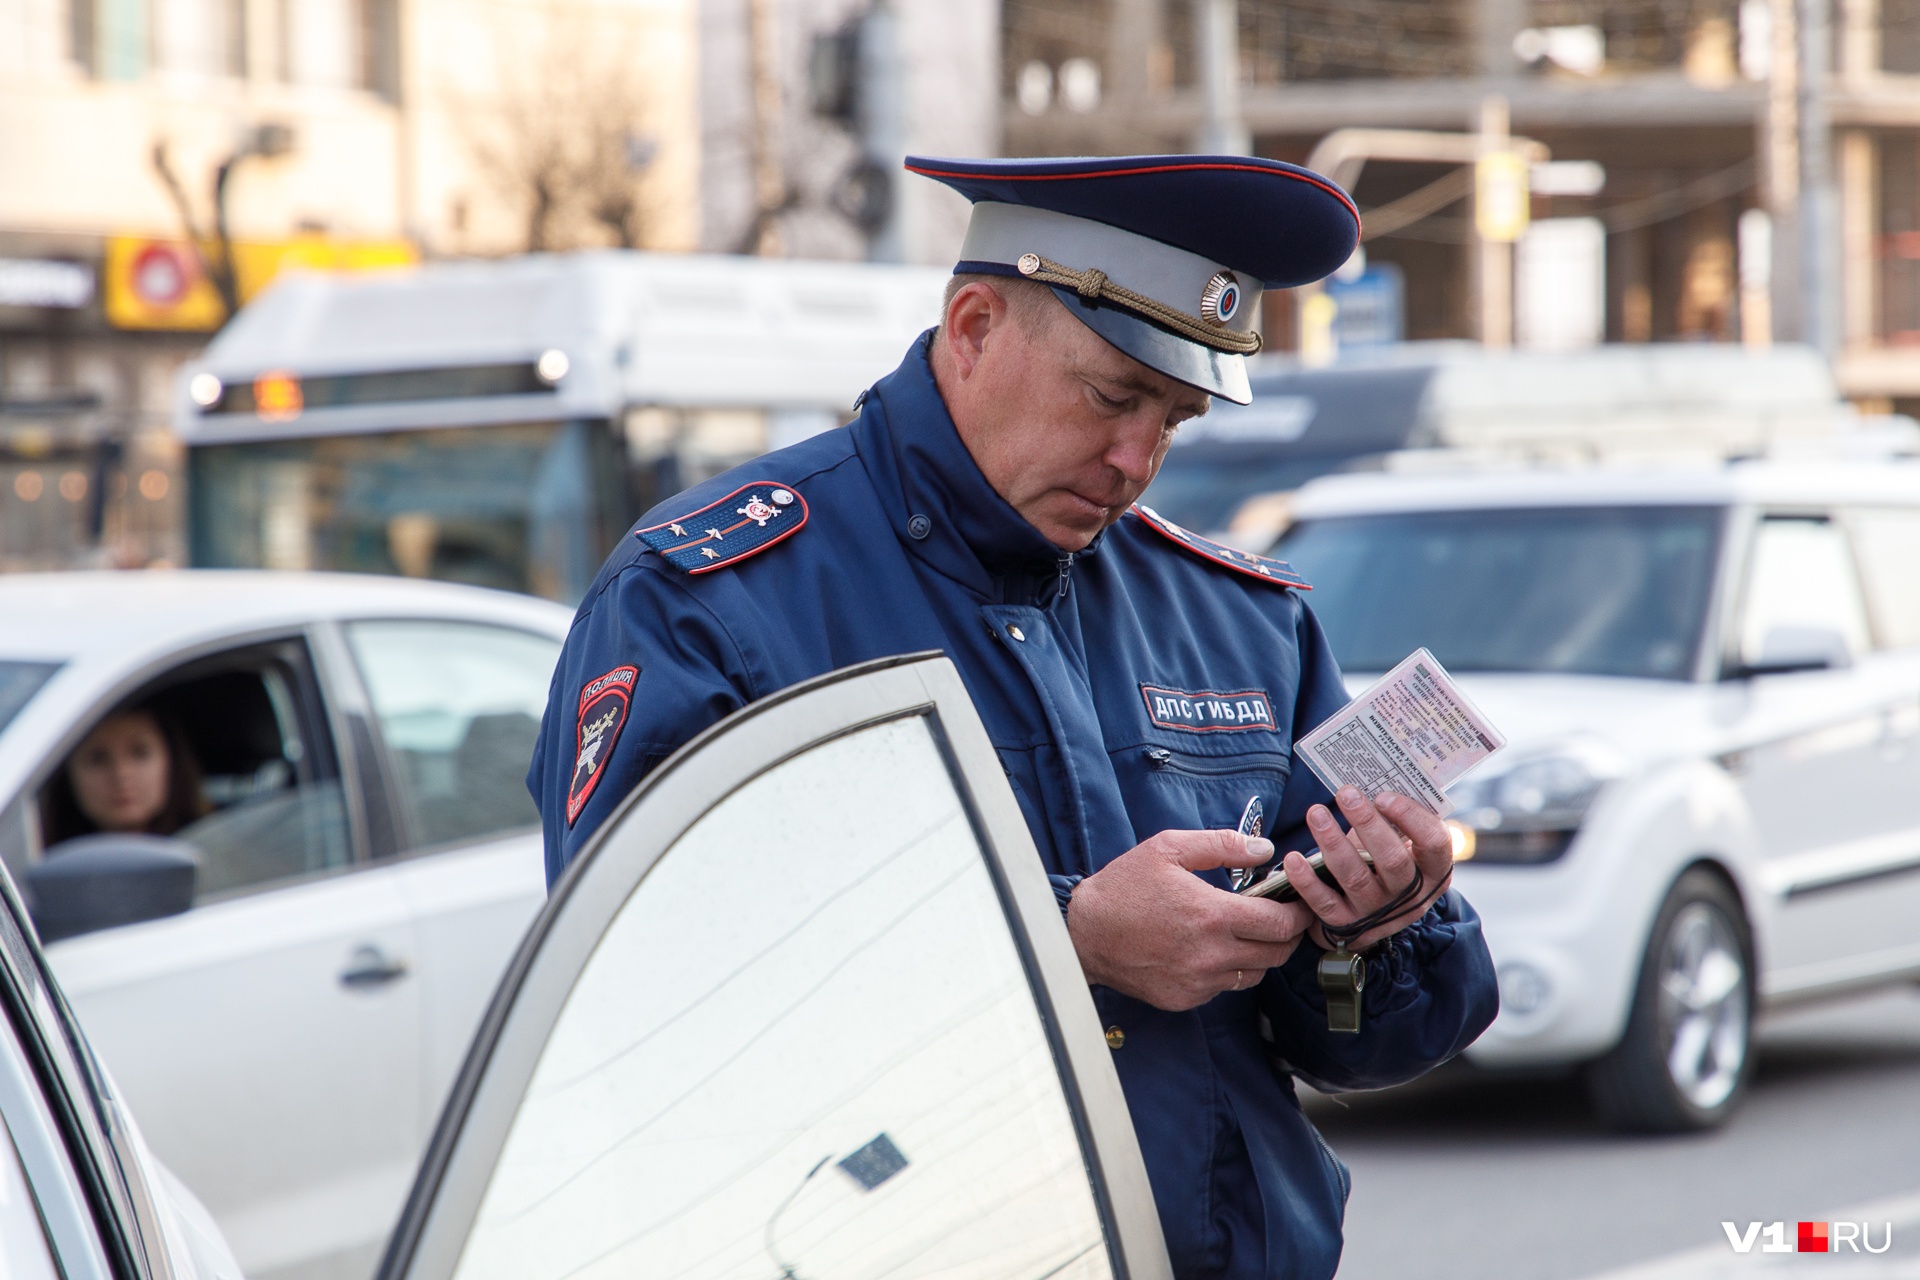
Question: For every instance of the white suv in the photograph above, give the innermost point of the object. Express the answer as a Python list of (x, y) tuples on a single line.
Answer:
[(1710, 680)]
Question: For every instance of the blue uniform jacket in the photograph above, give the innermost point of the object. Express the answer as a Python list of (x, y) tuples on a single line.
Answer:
[(1156, 688)]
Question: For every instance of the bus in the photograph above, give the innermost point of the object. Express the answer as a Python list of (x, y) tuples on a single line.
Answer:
[(503, 423)]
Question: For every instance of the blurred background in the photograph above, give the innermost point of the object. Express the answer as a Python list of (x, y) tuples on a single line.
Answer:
[(1705, 171), (352, 285)]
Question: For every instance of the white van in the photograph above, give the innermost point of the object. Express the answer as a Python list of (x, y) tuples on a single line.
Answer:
[(1710, 678), (504, 423), (1423, 403)]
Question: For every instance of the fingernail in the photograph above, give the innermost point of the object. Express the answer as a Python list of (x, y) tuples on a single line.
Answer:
[(1260, 847), (1350, 795), (1319, 816)]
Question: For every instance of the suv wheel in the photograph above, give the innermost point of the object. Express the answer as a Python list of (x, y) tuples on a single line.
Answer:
[(1687, 1052)]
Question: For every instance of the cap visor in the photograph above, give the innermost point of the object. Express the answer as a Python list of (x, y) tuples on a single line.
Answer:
[(1218, 373)]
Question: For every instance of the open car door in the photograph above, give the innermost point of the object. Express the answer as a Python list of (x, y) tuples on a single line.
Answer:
[(804, 1008)]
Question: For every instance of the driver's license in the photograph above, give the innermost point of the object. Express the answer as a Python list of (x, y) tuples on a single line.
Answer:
[(1413, 732)]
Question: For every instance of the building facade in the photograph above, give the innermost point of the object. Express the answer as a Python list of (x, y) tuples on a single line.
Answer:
[(163, 159), (805, 103), (1696, 111)]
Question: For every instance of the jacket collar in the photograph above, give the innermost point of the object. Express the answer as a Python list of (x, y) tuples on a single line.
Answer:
[(921, 468)]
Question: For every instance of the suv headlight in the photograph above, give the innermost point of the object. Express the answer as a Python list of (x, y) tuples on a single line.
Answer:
[(1530, 811)]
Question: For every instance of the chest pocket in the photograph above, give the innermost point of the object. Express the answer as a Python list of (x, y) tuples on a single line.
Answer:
[(1168, 789)]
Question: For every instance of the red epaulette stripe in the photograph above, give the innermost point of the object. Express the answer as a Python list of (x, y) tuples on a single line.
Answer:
[(669, 550), (1282, 575)]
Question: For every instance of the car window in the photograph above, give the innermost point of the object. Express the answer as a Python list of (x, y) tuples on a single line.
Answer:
[(805, 1045), (19, 681), (252, 781), (1887, 542), (19, 835), (1612, 591), (1800, 580), (459, 705)]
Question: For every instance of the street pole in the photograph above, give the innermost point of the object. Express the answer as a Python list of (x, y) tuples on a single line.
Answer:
[(1216, 38), (769, 176), (883, 110), (1781, 134), (1819, 202), (1496, 251)]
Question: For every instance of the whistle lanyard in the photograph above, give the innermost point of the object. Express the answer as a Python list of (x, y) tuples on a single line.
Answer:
[(1341, 973)]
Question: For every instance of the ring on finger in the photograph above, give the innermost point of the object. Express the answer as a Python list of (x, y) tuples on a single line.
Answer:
[(1239, 976)]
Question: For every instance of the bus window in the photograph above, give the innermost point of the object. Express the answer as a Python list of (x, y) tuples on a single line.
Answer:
[(529, 507)]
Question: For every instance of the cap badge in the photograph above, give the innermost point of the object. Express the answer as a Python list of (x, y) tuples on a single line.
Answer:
[(1220, 300)]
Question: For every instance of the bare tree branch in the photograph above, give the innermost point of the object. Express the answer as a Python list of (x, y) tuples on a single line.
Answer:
[(567, 137), (217, 267)]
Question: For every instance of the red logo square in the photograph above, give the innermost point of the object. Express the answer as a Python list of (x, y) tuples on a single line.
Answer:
[(1813, 1237)]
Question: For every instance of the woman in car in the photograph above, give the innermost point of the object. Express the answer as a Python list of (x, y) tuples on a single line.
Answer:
[(133, 773)]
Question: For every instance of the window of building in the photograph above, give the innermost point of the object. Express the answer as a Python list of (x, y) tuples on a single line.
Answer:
[(200, 37)]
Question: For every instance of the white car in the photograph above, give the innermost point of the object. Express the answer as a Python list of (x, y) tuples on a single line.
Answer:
[(286, 1018), (1710, 680), (804, 1005), (81, 1196)]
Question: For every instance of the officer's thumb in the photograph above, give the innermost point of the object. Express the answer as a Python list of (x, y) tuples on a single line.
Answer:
[(1205, 850)]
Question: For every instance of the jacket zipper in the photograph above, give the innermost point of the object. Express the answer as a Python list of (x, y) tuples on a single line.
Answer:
[(1160, 758), (1063, 567), (1339, 1166)]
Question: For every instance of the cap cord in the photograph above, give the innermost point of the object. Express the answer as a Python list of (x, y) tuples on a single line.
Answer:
[(1094, 285)]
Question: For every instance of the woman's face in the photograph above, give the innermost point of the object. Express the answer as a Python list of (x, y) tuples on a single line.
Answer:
[(120, 773)]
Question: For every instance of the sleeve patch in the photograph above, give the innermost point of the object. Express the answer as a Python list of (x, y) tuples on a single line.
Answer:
[(604, 704), (744, 523), (1262, 568)]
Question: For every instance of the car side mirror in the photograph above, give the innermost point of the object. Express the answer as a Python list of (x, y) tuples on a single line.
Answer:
[(1797, 648), (98, 882)]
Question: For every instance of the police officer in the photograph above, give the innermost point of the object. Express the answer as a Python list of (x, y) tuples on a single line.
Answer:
[(1141, 684)]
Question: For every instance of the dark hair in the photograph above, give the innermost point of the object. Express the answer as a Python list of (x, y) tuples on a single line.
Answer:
[(61, 817)]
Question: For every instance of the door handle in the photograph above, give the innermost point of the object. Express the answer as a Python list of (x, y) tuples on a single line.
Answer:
[(370, 967)]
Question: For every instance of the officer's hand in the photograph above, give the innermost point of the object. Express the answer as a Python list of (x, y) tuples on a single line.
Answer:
[(1404, 839), (1146, 926)]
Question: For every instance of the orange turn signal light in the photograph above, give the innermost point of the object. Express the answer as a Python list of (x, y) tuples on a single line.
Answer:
[(277, 396)]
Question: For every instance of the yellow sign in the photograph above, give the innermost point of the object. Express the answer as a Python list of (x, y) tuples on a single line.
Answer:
[(1501, 198), (163, 284), (1317, 312)]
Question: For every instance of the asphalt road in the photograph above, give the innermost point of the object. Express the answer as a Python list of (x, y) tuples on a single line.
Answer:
[(1466, 1176)]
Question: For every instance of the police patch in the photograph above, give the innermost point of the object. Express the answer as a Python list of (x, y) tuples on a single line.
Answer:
[(1265, 568), (745, 522), (604, 703), (1207, 712)]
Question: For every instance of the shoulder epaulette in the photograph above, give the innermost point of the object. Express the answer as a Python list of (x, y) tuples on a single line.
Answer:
[(744, 523), (1277, 572)]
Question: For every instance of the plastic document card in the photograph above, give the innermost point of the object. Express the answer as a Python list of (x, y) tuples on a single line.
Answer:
[(1414, 732)]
